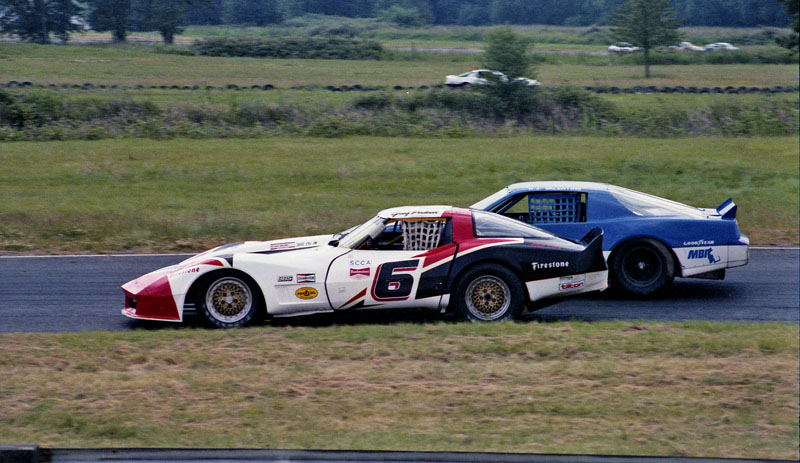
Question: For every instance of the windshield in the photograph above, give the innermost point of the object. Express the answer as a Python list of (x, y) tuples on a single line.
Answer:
[(486, 202), (648, 205), (488, 225), (372, 227)]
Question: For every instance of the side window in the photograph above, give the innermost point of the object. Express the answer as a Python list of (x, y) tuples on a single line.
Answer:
[(557, 207), (412, 235), (538, 208)]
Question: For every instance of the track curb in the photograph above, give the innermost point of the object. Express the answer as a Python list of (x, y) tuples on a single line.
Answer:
[(34, 454)]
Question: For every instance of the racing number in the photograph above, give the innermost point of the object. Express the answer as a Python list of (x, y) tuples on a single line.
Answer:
[(392, 280)]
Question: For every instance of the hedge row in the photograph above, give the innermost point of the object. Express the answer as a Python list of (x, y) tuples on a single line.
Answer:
[(290, 47), (431, 113)]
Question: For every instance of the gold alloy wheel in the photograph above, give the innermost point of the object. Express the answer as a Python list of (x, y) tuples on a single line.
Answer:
[(488, 298), (229, 300)]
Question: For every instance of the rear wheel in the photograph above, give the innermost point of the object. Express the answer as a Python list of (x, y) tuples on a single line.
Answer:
[(229, 299), (489, 293), (641, 267)]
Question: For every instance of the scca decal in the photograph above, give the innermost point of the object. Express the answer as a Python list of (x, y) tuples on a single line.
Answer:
[(393, 282)]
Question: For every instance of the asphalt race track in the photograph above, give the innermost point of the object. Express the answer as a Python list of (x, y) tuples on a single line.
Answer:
[(79, 293)]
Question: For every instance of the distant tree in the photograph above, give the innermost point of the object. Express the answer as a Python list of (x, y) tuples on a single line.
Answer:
[(34, 20), (508, 53), (111, 15), (793, 9), (260, 13), (646, 24), (411, 13)]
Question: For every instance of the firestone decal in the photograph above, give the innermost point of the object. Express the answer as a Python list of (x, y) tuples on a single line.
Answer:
[(306, 293), (306, 278), (545, 265), (704, 254)]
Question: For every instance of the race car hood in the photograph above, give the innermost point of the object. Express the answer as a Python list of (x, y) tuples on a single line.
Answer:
[(287, 244)]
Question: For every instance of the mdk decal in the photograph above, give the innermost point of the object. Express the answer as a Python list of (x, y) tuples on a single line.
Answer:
[(306, 293)]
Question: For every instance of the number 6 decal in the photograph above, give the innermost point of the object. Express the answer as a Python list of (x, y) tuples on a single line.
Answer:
[(392, 280)]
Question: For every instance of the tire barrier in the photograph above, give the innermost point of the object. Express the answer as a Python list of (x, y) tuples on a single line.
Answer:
[(730, 90)]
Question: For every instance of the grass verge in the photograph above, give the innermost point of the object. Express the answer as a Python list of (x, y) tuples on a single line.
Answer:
[(691, 389), (144, 195), (139, 65)]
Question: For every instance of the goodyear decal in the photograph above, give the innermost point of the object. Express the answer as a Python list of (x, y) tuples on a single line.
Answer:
[(306, 293)]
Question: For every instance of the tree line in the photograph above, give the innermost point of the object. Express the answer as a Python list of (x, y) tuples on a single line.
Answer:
[(35, 20)]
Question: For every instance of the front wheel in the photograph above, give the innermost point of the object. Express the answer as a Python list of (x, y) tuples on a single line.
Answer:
[(489, 293), (641, 267), (229, 299)]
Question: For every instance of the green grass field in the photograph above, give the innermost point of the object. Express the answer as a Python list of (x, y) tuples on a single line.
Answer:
[(139, 65), (133, 194), (681, 389)]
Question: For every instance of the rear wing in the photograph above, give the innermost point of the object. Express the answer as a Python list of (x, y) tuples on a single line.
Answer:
[(727, 209)]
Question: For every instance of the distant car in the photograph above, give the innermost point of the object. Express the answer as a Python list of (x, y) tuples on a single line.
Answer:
[(482, 266), (623, 47), (686, 46), (647, 240), (719, 46), (482, 77)]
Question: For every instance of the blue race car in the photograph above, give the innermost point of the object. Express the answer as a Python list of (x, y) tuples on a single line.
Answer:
[(647, 240)]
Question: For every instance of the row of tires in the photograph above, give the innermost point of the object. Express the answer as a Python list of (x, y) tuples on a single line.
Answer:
[(357, 87), (692, 90)]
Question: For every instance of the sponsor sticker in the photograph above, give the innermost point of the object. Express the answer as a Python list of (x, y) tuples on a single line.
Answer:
[(704, 254), (546, 265), (306, 277), (571, 283), (359, 273), (306, 293), (360, 262), (186, 271), (698, 243), (285, 279), (279, 246)]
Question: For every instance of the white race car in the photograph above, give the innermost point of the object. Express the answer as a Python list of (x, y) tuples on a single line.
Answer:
[(719, 46), (481, 265), (686, 46), (482, 77), (623, 47)]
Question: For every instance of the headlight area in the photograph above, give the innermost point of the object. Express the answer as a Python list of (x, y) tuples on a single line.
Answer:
[(150, 300)]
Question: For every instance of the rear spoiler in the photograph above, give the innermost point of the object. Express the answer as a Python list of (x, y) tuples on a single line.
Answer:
[(727, 209), (594, 234), (594, 248)]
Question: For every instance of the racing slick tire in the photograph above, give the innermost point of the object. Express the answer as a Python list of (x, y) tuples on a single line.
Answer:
[(641, 267), (488, 293), (227, 299)]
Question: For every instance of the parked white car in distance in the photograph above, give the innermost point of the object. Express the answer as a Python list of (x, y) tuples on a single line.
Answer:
[(719, 46), (623, 47), (686, 46), (481, 77)]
